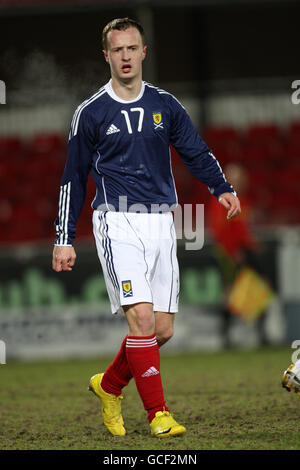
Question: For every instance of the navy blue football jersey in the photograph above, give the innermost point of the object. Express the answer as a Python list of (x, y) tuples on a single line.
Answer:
[(126, 146)]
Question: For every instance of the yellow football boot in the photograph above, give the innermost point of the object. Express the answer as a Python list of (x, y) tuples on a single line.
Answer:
[(291, 380), (111, 407), (164, 425)]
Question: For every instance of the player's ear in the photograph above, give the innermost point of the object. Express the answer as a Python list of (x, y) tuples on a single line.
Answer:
[(144, 51), (105, 56)]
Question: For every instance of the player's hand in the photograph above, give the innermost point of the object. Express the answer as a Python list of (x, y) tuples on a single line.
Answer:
[(63, 258), (231, 203)]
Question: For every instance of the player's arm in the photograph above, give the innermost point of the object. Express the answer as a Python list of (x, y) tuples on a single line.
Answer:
[(73, 190), (200, 159)]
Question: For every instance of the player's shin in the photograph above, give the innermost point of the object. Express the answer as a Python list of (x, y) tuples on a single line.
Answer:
[(144, 361), (118, 374)]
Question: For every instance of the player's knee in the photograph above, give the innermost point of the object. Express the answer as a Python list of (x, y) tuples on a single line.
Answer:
[(164, 335), (140, 319), (145, 319)]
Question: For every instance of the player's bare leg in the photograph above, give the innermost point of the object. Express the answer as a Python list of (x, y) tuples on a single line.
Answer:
[(140, 318), (164, 327)]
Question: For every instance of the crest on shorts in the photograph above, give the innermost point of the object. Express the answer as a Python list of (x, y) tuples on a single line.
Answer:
[(157, 120), (127, 289)]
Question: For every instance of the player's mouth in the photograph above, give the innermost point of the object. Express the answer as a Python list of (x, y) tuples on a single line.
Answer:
[(126, 68)]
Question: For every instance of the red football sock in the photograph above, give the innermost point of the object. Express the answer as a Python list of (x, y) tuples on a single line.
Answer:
[(144, 362), (118, 373)]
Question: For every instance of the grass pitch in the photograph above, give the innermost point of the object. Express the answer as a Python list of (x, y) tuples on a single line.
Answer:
[(226, 400)]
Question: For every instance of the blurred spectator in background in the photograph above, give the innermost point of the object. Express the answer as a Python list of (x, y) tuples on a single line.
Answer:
[(235, 244)]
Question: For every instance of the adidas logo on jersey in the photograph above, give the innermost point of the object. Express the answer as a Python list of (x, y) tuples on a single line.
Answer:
[(112, 129), (151, 371)]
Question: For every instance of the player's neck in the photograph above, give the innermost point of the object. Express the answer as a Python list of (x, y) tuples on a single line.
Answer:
[(127, 91)]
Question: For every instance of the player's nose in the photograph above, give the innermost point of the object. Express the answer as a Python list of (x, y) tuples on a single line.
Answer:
[(125, 55)]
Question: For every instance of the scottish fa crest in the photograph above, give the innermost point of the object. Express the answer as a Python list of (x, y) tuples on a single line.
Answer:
[(127, 289), (157, 121)]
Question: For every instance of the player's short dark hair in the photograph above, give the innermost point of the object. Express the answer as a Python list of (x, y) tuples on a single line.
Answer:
[(121, 24)]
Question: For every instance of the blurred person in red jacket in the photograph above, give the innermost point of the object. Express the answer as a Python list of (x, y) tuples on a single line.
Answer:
[(235, 243)]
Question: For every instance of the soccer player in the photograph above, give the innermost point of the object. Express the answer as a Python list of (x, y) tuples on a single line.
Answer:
[(122, 134)]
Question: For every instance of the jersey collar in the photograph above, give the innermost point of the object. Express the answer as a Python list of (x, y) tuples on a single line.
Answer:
[(115, 97)]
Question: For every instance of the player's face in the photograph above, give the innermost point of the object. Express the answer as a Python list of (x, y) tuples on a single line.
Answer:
[(125, 54)]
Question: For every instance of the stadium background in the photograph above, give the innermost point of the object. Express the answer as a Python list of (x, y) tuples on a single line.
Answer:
[(232, 64)]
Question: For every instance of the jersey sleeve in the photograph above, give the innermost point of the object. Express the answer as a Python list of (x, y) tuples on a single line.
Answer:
[(74, 179), (195, 153)]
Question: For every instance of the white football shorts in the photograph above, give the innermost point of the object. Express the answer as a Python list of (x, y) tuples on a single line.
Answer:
[(138, 258)]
